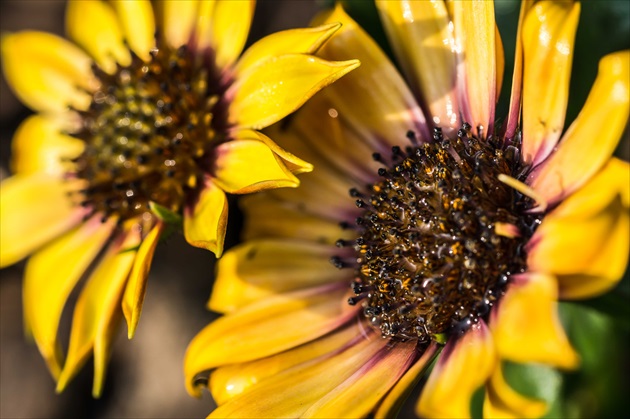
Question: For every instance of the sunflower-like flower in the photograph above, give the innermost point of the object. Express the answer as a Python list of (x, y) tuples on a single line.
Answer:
[(135, 131), (457, 240)]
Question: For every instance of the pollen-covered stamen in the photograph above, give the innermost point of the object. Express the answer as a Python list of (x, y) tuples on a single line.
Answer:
[(146, 132), (439, 235)]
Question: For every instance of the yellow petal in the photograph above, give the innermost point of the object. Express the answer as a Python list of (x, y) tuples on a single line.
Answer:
[(138, 24), (97, 308), (34, 209), (292, 41), (46, 72), (94, 26), (319, 195), (205, 221), (251, 332), (48, 283), (592, 137), (137, 283), (203, 25), (358, 395), (392, 403), (514, 114), (451, 385), (270, 218), (291, 392), (259, 269), (419, 33), (475, 33), (39, 146), (178, 21), (280, 86), (374, 100), (230, 27), (304, 132), (290, 161), (501, 401), (548, 38), (103, 342), (584, 242), (232, 380), (500, 60), (245, 166), (526, 326)]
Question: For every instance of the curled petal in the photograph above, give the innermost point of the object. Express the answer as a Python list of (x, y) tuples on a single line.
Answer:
[(137, 284), (502, 401), (249, 165), (205, 221), (292, 41), (584, 242), (526, 326), (292, 162)]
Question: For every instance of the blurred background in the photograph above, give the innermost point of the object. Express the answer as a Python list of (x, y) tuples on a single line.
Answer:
[(145, 378)]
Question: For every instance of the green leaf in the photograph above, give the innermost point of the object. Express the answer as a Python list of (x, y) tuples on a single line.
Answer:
[(539, 382), (614, 304), (166, 215)]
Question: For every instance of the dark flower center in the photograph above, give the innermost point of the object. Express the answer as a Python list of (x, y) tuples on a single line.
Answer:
[(439, 236), (147, 131)]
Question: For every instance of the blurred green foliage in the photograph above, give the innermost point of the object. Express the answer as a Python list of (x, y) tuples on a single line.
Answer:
[(600, 328)]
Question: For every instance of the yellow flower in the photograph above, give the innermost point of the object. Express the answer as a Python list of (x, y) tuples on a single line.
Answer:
[(136, 130), (458, 238)]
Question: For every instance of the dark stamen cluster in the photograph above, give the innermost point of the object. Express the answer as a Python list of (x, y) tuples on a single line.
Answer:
[(145, 133), (432, 255)]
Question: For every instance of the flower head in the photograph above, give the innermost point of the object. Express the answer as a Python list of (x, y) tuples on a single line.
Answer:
[(457, 239), (142, 123)]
